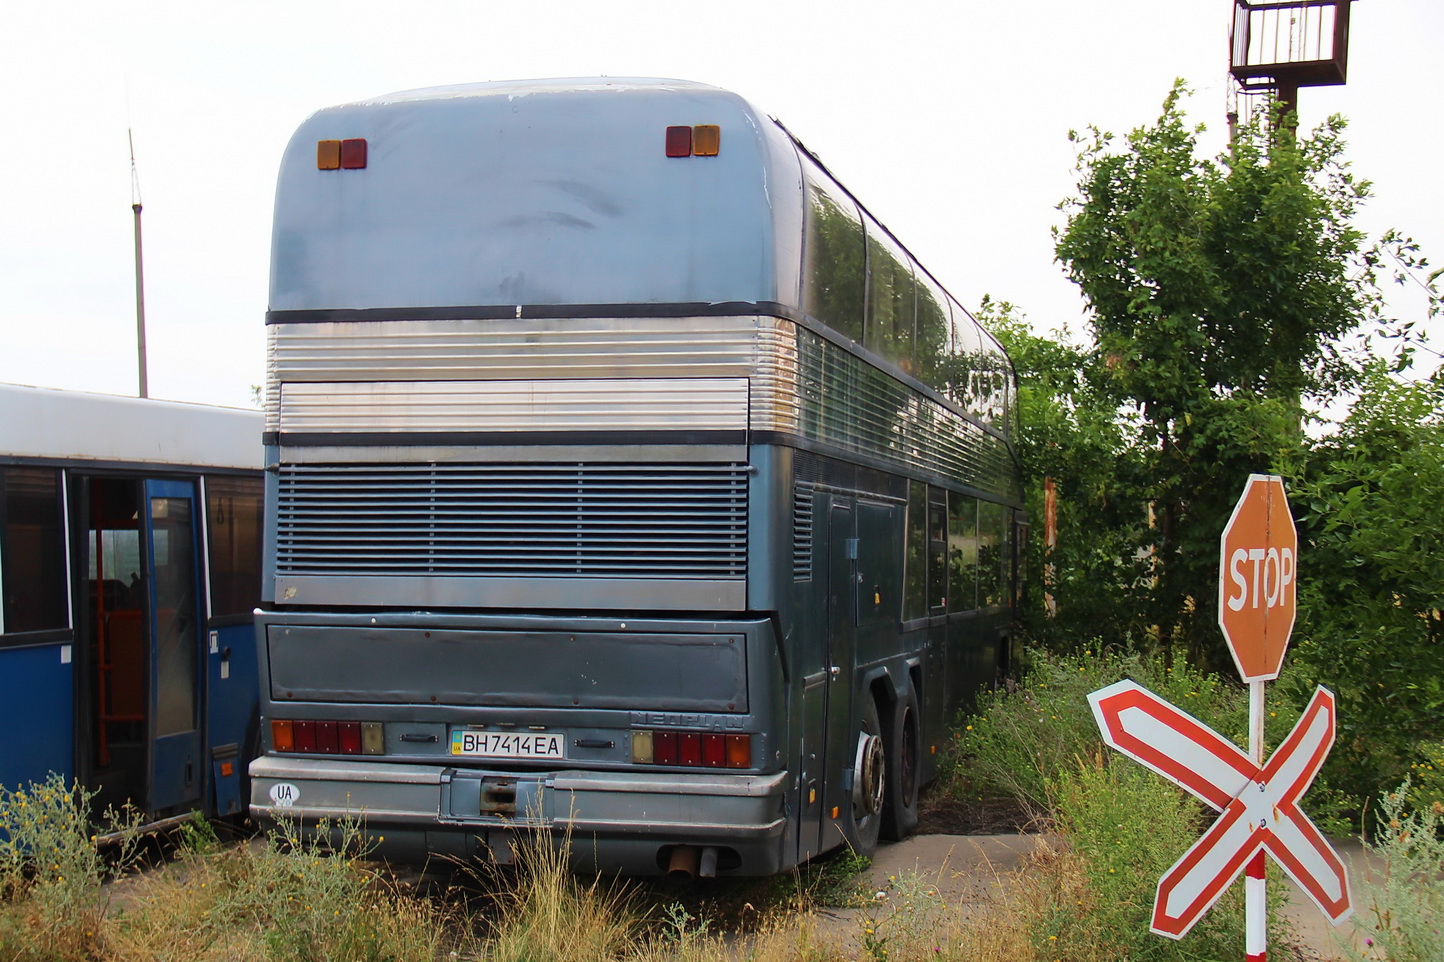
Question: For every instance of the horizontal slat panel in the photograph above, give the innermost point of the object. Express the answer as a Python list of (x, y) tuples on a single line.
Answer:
[(540, 520)]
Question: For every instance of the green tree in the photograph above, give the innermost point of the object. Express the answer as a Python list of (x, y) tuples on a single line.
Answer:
[(1371, 583), (1220, 293)]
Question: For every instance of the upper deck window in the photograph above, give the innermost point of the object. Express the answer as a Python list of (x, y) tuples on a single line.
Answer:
[(835, 276)]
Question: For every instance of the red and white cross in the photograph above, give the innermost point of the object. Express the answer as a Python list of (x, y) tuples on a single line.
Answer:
[(1259, 803)]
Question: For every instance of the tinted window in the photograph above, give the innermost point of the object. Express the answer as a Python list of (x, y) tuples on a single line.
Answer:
[(835, 274), (915, 592), (992, 554), (962, 552), (937, 550), (32, 550), (890, 300), (933, 339), (233, 535)]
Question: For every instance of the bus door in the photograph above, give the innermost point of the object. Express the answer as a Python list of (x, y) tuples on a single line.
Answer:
[(175, 632), (816, 658), (842, 547)]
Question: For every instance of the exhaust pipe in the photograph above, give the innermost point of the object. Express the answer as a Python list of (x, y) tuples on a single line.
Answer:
[(683, 863), (708, 866)]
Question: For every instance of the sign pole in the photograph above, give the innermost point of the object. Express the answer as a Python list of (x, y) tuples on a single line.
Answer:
[(1256, 938)]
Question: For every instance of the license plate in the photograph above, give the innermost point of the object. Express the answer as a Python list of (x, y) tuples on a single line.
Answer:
[(507, 744)]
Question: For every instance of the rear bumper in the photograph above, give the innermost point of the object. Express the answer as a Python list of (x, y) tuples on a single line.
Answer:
[(616, 821)]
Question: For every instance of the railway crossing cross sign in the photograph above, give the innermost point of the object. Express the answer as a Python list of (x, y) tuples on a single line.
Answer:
[(1257, 588), (1259, 803), (1258, 799)]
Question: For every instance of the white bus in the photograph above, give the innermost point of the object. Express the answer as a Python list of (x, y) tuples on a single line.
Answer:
[(130, 558)]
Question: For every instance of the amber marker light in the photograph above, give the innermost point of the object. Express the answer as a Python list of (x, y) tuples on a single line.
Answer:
[(328, 155), (706, 139), (739, 751), (281, 738)]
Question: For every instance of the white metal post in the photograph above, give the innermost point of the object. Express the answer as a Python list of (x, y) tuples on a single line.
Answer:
[(1255, 906)]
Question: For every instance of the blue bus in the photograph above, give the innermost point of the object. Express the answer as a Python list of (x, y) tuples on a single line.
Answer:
[(129, 573), (626, 479)]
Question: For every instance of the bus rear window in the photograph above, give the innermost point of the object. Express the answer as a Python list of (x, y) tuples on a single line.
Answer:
[(32, 551)]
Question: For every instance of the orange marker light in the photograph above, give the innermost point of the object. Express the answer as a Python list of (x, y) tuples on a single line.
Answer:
[(706, 139), (281, 738), (739, 751), (328, 155)]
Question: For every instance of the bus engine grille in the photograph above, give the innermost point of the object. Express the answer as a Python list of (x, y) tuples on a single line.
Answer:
[(663, 521)]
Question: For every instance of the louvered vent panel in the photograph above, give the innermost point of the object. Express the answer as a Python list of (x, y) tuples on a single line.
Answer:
[(801, 533), (533, 520)]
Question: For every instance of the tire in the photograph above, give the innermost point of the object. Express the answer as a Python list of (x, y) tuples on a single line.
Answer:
[(869, 783), (900, 812)]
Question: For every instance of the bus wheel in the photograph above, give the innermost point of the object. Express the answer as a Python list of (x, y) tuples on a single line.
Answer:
[(869, 784), (900, 813)]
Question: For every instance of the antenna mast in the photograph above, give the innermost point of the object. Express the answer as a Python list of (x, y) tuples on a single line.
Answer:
[(139, 270)]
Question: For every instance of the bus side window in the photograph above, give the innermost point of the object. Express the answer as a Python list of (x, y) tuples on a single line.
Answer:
[(890, 299), (32, 551), (937, 550), (233, 535), (915, 595), (962, 552), (835, 272), (992, 554)]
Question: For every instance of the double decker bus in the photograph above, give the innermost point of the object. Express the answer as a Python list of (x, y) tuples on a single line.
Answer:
[(130, 557), (626, 479)]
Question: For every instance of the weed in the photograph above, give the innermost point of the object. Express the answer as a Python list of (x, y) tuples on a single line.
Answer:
[(51, 901), (1404, 910), (903, 920)]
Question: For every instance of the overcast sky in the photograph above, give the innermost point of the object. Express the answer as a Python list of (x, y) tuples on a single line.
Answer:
[(949, 120)]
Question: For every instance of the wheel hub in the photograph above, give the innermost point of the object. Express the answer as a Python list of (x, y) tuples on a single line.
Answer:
[(867, 776)]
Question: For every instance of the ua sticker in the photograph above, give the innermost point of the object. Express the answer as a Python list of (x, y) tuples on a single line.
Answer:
[(284, 794)]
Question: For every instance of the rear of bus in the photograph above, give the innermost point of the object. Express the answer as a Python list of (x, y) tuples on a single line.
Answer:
[(521, 546)]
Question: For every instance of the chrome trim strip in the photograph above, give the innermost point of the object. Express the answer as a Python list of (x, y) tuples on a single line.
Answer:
[(515, 405), (428, 591)]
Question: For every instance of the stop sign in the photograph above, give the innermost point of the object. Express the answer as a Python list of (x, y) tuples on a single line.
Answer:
[(1256, 578)]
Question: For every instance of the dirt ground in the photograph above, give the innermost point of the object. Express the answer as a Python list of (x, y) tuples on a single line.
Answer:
[(969, 869)]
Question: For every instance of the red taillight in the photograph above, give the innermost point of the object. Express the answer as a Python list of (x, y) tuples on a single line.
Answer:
[(305, 736), (689, 748), (328, 737), (679, 141), (697, 749), (353, 154)]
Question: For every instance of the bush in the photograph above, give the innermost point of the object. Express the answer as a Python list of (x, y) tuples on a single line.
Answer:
[(51, 902), (1023, 738), (1404, 910)]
